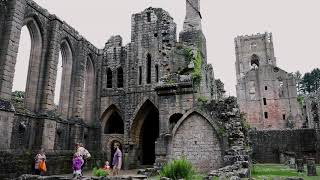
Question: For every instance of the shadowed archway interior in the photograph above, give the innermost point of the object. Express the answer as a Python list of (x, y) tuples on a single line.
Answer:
[(145, 131), (114, 124)]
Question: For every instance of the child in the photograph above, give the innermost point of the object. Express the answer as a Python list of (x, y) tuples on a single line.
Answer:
[(77, 162), (106, 166)]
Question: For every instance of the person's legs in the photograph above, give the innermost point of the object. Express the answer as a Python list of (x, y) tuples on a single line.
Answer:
[(115, 171), (82, 167), (37, 172)]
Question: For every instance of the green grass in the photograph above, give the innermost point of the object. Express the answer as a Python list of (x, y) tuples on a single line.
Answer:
[(271, 171)]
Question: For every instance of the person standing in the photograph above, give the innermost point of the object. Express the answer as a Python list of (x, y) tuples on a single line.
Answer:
[(84, 153), (38, 159), (77, 163), (117, 160)]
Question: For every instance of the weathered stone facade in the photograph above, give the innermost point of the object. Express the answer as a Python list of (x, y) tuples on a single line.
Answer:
[(269, 146), (266, 93), (147, 95), (312, 109)]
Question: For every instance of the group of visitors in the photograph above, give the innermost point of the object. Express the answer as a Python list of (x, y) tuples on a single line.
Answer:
[(80, 158)]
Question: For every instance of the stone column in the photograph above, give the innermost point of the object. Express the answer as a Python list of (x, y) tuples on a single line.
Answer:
[(49, 134), (9, 45), (47, 101), (6, 125)]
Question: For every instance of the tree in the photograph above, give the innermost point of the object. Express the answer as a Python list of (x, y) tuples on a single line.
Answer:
[(220, 88), (311, 81), (298, 77)]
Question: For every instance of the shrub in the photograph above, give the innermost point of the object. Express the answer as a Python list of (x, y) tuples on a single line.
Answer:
[(178, 169), (100, 172)]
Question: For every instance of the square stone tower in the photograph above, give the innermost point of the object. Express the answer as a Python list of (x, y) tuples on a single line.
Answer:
[(266, 94)]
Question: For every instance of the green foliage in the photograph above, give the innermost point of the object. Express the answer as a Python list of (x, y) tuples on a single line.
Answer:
[(203, 100), (188, 54), (270, 171), (220, 88), (310, 82), (196, 74), (100, 172), (18, 96), (178, 169), (301, 101)]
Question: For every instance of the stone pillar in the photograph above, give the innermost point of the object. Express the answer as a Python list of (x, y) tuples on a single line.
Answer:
[(78, 104), (49, 134), (47, 102), (9, 45), (161, 151), (6, 125), (300, 165), (311, 167)]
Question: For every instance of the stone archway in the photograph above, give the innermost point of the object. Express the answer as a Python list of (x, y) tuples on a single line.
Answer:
[(195, 138), (144, 133)]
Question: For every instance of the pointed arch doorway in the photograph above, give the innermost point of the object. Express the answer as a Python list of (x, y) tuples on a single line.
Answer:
[(144, 133)]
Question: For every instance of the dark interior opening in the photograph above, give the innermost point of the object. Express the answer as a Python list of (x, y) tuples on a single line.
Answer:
[(120, 78), (114, 124), (149, 133), (173, 120), (148, 69), (140, 75), (109, 78), (157, 73)]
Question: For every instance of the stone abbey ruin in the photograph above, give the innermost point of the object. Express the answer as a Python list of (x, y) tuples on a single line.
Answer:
[(156, 96), (150, 95), (266, 93)]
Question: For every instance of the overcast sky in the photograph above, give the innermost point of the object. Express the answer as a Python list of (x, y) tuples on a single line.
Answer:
[(295, 25)]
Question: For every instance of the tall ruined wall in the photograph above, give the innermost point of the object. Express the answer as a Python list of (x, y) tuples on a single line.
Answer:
[(49, 36), (266, 94), (268, 145), (312, 108)]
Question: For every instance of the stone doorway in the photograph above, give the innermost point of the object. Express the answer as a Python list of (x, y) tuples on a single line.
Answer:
[(144, 133), (149, 134)]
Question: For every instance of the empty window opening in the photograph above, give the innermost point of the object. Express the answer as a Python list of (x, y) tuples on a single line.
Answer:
[(157, 73), (57, 89), (266, 88), (120, 77), (109, 78), (149, 16), (264, 101), (22, 63), (254, 61), (88, 93), (140, 75), (266, 115), (283, 116), (148, 69)]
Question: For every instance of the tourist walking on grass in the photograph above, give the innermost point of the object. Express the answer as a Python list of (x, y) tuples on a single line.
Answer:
[(117, 160), (84, 153), (40, 165)]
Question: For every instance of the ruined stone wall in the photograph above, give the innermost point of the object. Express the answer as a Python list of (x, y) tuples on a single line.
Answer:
[(198, 141), (49, 35), (266, 94), (312, 104), (268, 145)]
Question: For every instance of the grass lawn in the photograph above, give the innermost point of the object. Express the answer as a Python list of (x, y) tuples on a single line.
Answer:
[(271, 171)]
